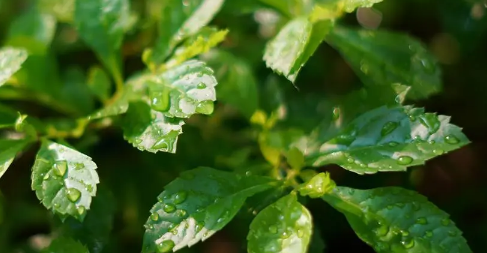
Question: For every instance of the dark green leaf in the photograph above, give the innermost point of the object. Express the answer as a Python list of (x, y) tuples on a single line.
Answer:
[(237, 83), (63, 10), (32, 31), (99, 83), (284, 226), (64, 179), (294, 44), (8, 151), (150, 130), (392, 219), (385, 58), (388, 139), (101, 25), (196, 205), (65, 245), (75, 92), (184, 90), (7, 117), (180, 19), (11, 60)]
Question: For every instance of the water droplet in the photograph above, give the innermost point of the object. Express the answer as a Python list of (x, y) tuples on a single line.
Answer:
[(169, 208), (452, 233), (199, 210), (161, 144), (160, 100), (205, 107), (404, 160), (450, 139), (432, 142), (388, 128), (430, 121), (281, 217), (364, 67), (404, 233), (382, 230), (46, 177), (336, 113), (56, 205), (428, 233), (171, 226), (154, 216), (422, 221), (438, 151), (285, 235), (273, 229), (81, 210), (428, 65), (182, 213), (407, 242), (79, 166), (300, 233), (345, 139), (219, 220), (350, 160), (73, 194), (200, 226), (138, 141), (89, 188), (60, 168), (201, 86), (416, 206), (180, 197), (165, 246), (445, 222)]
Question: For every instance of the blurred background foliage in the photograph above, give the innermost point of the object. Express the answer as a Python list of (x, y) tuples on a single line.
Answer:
[(454, 30)]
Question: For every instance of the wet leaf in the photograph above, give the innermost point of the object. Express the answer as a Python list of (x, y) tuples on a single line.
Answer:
[(8, 151), (11, 60), (65, 245)]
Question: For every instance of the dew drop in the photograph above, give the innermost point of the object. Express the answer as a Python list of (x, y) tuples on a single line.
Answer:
[(336, 113), (160, 100), (199, 210), (382, 230), (416, 206), (450, 139), (350, 160), (393, 144), (180, 197), (154, 216), (200, 226), (412, 118), (138, 141), (73, 194), (182, 213), (171, 226), (165, 246), (345, 139), (422, 221), (201, 86), (47, 176), (220, 220), (407, 243), (169, 208), (445, 222), (300, 233), (285, 235), (438, 151), (79, 166), (60, 168), (205, 107), (452, 233), (281, 217), (432, 142), (388, 128), (81, 210), (405, 233), (273, 229), (428, 233), (404, 160)]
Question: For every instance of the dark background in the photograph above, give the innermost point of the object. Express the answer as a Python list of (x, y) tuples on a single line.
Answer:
[(454, 30)]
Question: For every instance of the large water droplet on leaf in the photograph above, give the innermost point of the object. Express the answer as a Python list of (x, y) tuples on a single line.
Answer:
[(154, 216), (180, 197), (73, 194), (205, 107), (404, 160), (60, 168), (445, 222), (201, 86), (160, 100), (450, 139), (388, 128), (407, 242), (81, 210), (430, 121), (169, 208), (422, 221), (165, 246)]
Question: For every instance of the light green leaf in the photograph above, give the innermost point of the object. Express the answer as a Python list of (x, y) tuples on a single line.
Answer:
[(237, 83), (388, 139), (65, 245), (183, 90), (392, 219), (11, 60), (295, 158), (317, 186), (294, 44), (150, 130), (196, 205), (64, 179), (198, 44), (63, 10), (180, 19), (290, 8), (101, 25), (383, 58), (8, 151), (285, 226), (99, 83), (350, 5), (32, 31)]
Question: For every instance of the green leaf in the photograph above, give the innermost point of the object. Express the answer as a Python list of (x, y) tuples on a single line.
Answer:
[(64, 179), (11, 61), (351, 5), (198, 44), (8, 151), (384, 58), (196, 205), (238, 84), (180, 19), (63, 10), (295, 158), (32, 31), (150, 130), (65, 245), (184, 90), (75, 92), (284, 226), (99, 83), (388, 139), (290, 8), (101, 25), (7, 117), (317, 186), (392, 219), (294, 44)]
